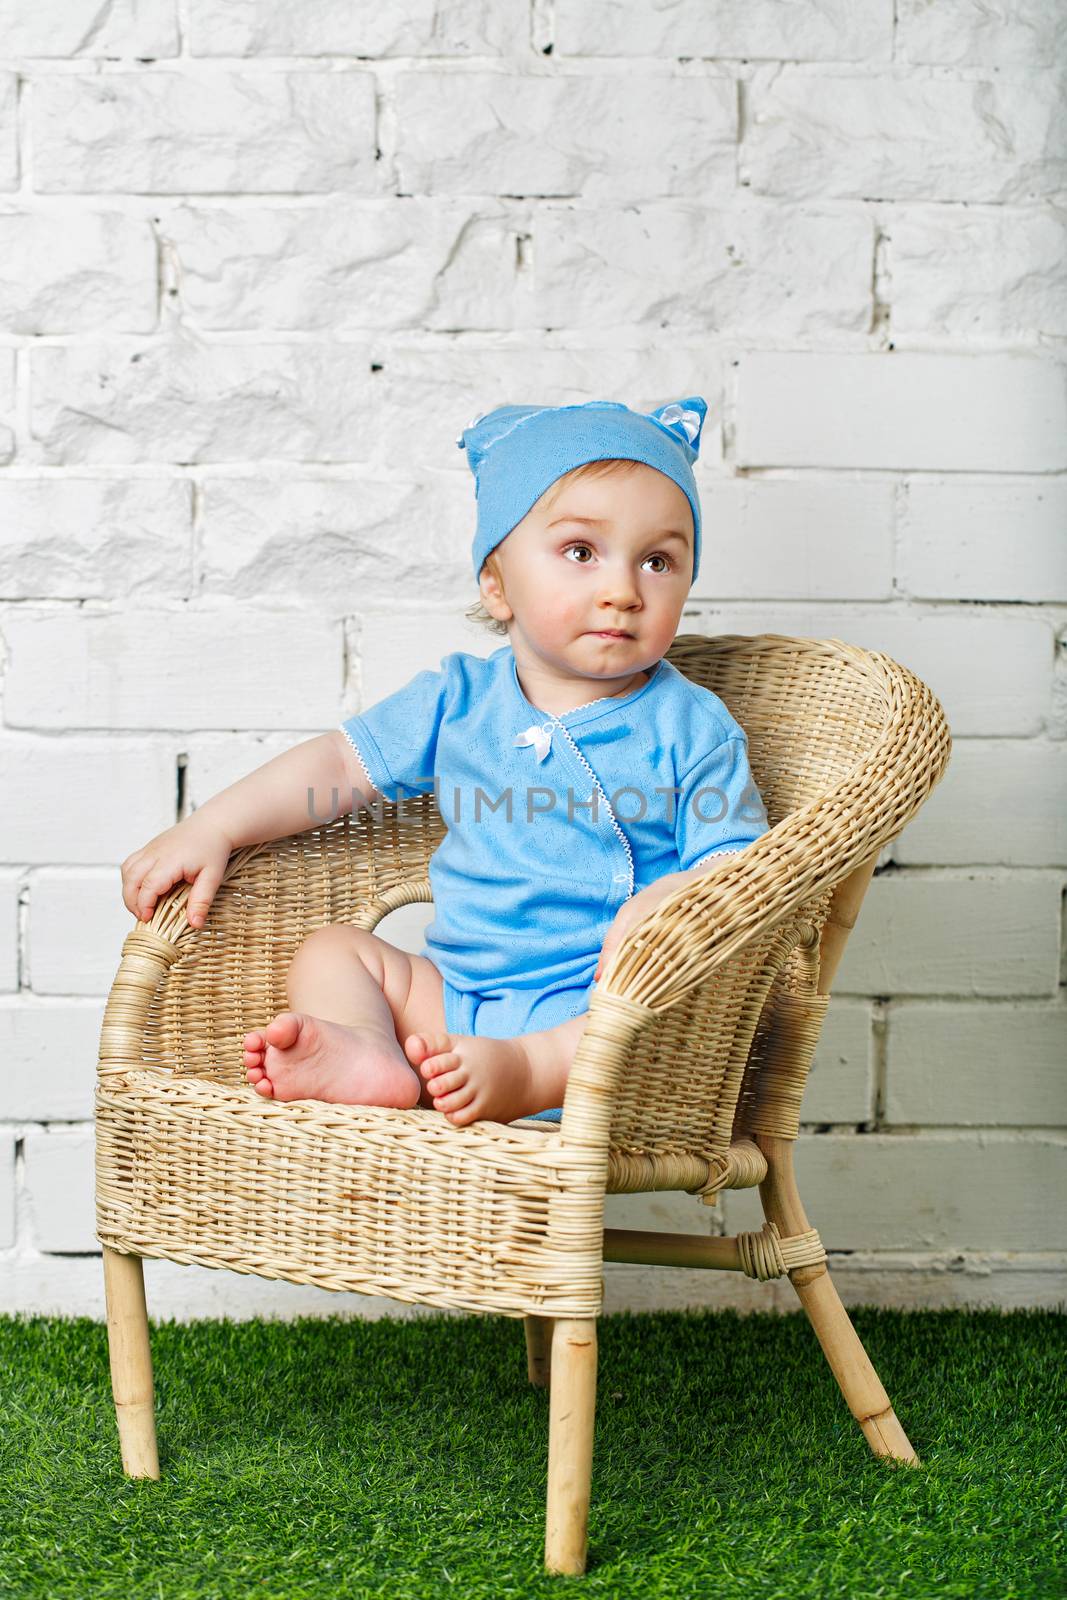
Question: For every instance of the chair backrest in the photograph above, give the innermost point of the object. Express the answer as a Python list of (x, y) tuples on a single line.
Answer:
[(808, 708)]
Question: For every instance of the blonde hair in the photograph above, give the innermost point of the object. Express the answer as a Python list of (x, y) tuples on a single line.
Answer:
[(588, 469)]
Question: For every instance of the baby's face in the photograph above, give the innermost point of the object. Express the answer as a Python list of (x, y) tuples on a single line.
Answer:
[(610, 553)]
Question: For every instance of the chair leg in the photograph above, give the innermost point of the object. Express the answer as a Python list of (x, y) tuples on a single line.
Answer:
[(131, 1363), (572, 1407), (849, 1361), (539, 1350)]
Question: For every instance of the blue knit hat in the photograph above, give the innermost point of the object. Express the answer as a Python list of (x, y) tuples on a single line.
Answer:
[(516, 452)]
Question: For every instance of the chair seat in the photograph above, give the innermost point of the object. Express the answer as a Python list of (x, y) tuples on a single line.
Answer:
[(364, 1198)]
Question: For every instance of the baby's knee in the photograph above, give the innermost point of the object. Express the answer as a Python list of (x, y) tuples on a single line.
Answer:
[(338, 944)]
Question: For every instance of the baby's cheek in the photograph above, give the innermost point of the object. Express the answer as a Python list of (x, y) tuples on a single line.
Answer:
[(571, 614)]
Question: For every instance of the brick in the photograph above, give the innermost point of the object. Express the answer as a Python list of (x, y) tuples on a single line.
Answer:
[(991, 671), (976, 1064), (372, 538), (692, 267), (10, 884), (967, 273), (643, 1288), (800, 540), (440, 388), (7, 1193), (886, 1192), (76, 926), (950, 1280), (376, 263), (69, 28), (335, 27), (239, 668), (902, 411), (49, 1054), (639, 136), (394, 646), (755, 31), (212, 132), (964, 934), (904, 138), (7, 404), (9, 153), (76, 272), (74, 1286), (1000, 803), (60, 1188), (215, 761), (953, 543), (186, 402), (668, 1211), (971, 34), (115, 794), (840, 1086), (80, 538)]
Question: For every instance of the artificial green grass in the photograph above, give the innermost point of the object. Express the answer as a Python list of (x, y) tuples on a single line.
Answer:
[(337, 1457)]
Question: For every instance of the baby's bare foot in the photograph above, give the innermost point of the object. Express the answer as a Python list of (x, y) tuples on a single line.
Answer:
[(471, 1078), (299, 1057)]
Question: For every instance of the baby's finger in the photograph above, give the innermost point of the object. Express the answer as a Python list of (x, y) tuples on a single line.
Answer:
[(202, 893), (132, 873), (154, 883)]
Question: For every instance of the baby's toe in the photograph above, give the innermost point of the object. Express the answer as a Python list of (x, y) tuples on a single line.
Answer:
[(284, 1030), (434, 1065), (264, 1087), (445, 1081), (418, 1047), (253, 1073), (456, 1101), (463, 1115)]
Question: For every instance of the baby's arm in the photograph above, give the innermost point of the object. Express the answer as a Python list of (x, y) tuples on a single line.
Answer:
[(318, 778), (291, 793)]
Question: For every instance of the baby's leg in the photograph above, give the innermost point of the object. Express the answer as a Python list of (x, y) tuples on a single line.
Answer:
[(470, 1078), (353, 997)]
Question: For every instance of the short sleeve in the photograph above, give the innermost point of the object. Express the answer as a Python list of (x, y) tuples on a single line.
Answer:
[(719, 806), (396, 739)]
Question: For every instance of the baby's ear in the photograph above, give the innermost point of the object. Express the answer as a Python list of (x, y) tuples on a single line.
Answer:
[(490, 587)]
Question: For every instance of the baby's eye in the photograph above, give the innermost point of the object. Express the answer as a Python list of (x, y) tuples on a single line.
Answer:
[(666, 559), (571, 547)]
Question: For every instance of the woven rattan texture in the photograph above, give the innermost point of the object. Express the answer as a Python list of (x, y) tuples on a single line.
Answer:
[(194, 1166)]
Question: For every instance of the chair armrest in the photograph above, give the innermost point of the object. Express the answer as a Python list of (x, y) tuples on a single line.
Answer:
[(183, 997), (696, 930), (713, 916)]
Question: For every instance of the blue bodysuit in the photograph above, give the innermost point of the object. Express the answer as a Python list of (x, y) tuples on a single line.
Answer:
[(551, 822)]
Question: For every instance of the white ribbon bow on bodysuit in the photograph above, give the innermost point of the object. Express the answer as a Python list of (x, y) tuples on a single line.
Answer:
[(536, 735)]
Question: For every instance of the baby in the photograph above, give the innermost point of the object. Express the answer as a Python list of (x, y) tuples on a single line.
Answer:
[(581, 778)]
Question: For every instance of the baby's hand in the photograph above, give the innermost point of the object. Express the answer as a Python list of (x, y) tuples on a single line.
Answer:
[(633, 911), (194, 850)]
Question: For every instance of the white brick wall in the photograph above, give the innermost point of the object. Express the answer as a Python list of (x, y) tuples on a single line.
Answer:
[(258, 265)]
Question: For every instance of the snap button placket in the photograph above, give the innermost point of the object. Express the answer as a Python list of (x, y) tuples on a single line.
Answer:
[(626, 877)]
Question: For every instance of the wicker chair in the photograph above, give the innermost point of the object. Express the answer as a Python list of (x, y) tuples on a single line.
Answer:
[(688, 1076)]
